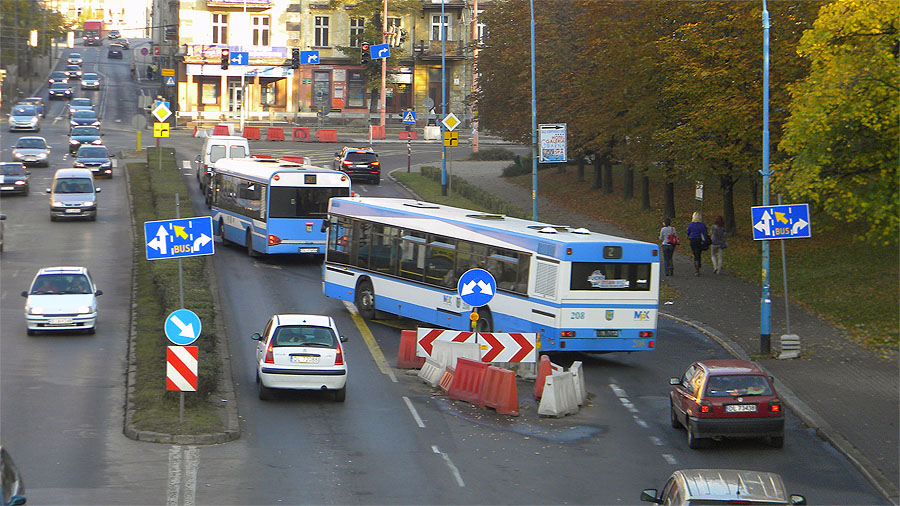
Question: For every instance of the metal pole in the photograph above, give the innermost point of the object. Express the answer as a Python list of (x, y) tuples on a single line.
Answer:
[(787, 309), (443, 36), (383, 65), (765, 332), (180, 302), (408, 152), (475, 75), (534, 157)]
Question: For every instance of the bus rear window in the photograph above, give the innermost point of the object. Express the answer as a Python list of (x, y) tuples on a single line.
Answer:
[(294, 202), (610, 276)]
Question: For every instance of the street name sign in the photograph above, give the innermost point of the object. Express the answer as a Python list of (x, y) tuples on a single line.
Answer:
[(789, 221), (166, 72), (185, 237)]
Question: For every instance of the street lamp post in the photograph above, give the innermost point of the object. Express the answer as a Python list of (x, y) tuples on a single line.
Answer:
[(443, 35), (765, 333), (534, 157)]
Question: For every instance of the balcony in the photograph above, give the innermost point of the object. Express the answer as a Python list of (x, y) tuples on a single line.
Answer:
[(431, 49)]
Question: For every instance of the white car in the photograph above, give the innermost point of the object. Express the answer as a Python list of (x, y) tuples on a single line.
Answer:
[(61, 298), (300, 352)]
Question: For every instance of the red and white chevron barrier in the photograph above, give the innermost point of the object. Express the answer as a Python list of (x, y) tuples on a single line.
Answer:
[(495, 346), (181, 368)]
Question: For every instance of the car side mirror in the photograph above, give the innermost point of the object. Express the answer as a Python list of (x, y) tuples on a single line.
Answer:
[(343, 339), (101, 135), (98, 292), (337, 154), (48, 190), (27, 172), (649, 495), (256, 336), (97, 190), (797, 500), (674, 381), (24, 293), (112, 155), (2, 217)]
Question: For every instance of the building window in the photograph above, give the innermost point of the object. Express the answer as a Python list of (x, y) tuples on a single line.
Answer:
[(321, 31), (355, 89), (220, 28), (356, 30), (482, 33), (260, 30), (436, 27)]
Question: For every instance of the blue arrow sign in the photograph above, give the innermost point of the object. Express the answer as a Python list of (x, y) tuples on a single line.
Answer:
[(170, 81), (183, 327), (476, 287), (186, 237), (309, 57), (409, 117), (239, 58), (380, 51), (780, 222)]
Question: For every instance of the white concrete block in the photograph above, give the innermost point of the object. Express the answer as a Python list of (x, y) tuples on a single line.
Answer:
[(432, 133), (578, 372), (431, 372), (558, 398)]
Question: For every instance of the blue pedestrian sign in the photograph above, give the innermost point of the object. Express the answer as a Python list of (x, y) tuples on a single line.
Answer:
[(780, 222), (476, 287), (380, 51), (183, 327), (309, 57), (242, 58), (186, 237), (170, 81), (409, 117)]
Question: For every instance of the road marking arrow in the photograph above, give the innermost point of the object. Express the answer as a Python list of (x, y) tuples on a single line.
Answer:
[(186, 330), (159, 242), (200, 242)]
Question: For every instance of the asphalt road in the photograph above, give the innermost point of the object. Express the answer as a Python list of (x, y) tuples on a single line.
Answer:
[(393, 441)]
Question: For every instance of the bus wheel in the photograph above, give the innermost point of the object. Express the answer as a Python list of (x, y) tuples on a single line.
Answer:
[(250, 251), (485, 322), (222, 232), (365, 300)]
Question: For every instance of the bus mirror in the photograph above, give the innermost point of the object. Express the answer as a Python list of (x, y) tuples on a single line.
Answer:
[(325, 225)]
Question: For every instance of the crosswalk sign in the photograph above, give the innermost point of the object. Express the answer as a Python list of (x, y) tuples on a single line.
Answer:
[(170, 81), (409, 117)]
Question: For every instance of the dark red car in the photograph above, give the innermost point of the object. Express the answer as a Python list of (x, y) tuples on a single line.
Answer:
[(716, 399)]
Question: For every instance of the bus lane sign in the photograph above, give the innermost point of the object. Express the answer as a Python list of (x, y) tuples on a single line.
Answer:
[(185, 237)]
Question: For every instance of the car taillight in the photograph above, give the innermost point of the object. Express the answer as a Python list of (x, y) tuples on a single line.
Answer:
[(705, 407), (274, 240), (567, 333), (339, 356), (775, 406), (346, 162), (376, 164), (270, 357)]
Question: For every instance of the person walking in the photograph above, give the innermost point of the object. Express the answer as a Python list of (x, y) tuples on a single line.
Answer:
[(697, 233), (668, 239), (717, 234)]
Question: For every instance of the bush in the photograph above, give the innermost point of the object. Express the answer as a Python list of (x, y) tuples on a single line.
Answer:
[(474, 193), (493, 154)]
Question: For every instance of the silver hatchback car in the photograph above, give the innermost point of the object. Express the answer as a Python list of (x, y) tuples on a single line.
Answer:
[(722, 486), (24, 117), (32, 151)]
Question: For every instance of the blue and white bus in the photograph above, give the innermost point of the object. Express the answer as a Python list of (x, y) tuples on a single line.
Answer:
[(580, 290), (273, 206)]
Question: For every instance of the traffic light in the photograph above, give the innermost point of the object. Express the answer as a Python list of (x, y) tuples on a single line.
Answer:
[(295, 58), (364, 55), (226, 56)]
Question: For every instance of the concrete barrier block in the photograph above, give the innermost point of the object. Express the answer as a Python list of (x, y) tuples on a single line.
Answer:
[(558, 398), (577, 371), (432, 133), (447, 352), (431, 372)]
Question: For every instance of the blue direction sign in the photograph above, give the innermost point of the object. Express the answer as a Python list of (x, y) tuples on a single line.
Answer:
[(780, 222), (183, 327), (309, 57), (240, 58), (380, 51), (409, 117), (186, 237), (476, 287)]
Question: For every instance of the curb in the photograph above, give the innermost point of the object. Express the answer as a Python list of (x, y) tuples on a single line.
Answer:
[(807, 415)]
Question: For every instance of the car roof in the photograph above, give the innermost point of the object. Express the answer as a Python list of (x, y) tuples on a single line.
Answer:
[(32, 137), (37, 99), (57, 72), (26, 107), (64, 269), (303, 319), (73, 172), (730, 366), (732, 484), (368, 150)]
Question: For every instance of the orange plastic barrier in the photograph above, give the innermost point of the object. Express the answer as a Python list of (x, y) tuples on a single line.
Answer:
[(251, 133), (300, 134), (327, 135), (377, 131), (499, 391), (257, 155), (221, 130), (406, 356), (305, 161), (446, 379), (412, 136), (195, 131), (467, 380), (275, 134), (544, 370)]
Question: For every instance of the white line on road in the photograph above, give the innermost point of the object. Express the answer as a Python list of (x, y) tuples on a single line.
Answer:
[(656, 441), (641, 422), (618, 391), (450, 464), (182, 484), (415, 414), (669, 459)]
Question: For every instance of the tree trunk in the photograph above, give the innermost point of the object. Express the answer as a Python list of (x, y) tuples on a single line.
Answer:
[(669, 197), (726, 182), (754, 192), (581, 167), (607, 174), (597, 163), (560, 168), (629, 182), (645, 191)]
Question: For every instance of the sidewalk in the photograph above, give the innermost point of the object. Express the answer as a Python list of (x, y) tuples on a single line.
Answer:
[(848, 395)]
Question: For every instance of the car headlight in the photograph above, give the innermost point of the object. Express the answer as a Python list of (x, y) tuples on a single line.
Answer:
[(84, 310), (97, 141), (78, 164), (41, 156), (35, 310), (96, 123), (106, 165), (21, 183), (33, 121), (74, 142), (57, 203), (88, 203)]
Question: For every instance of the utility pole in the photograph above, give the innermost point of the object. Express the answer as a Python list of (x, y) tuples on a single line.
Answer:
[(475, 41), (765, 332), (383, 64), (441, 30)]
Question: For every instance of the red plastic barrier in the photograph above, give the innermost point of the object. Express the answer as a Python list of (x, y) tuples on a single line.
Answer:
[(257, 155), (409, 136), (221, 130), (305, 161), (195, 131), (544, 370), (406, 356), (467, 380), (327, 135), (378, 132), (499, 391), (300, 134), (275, 134), (446, 379), (251, 133)]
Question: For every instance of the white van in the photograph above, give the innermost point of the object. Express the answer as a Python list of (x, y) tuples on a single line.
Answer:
[(214, 148), (73, 195)]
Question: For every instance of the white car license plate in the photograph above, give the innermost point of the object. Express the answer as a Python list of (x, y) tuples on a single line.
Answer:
[(60, 321), (73, 211), (7, 187), (740, 408), (304, 359), (308, 250)]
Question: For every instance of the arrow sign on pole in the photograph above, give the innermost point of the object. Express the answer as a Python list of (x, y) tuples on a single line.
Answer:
[(309, 57), (178, 238), (789, 221), (182, 327), (380, 51)]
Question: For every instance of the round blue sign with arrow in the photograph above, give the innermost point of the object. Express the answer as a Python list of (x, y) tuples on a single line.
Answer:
[(476, 287), (182, 327)]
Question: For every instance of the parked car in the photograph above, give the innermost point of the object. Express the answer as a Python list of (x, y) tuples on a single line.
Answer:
[(84, 117), (59, 90), (84, 135), (13, 488), (722, 486), (13, 178), (726, 399), (57, 76), (114, 34), (73, 195), (37, 102), (300, 352), (359, 163), (32, 151), (80, 104), (74, 59), (115, 51), (90, 81), (73, 72), (24, 117), (95, 158), (61, 298)]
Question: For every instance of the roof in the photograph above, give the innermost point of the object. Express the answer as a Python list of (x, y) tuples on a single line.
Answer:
[(64, 269), (264, 168), (73, 172), (730, 366), (732, 484), (303, 319)]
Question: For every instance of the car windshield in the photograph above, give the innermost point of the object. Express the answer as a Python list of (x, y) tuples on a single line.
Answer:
[(73, 185), (361, 157), (11, 169), (23, 110), (59, 86), (75, 55), (736, 385), (57, 75), (26, 142), (85, 131), (92, 152), (84, 115), (73, 67), (90, 76), (81, 102), (61, 284), (302, 335)]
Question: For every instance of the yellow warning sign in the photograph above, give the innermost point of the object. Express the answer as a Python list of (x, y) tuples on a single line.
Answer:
[(451, 139), (167, 72), (161, 130)]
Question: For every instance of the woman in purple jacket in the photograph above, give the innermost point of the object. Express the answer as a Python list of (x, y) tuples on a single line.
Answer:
[(696, 232)]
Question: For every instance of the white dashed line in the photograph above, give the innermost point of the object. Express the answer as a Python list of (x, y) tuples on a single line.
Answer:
[(669, 459), (415, 414), (449, 462), (641, 422), (656, 441)]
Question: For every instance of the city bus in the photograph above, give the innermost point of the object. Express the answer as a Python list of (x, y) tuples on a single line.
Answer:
[(579, 290), (273, 206)]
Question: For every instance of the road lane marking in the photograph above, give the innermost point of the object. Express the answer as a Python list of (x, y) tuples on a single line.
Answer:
[(181, 487), (669, 459), (369, 339), (656, 441), (415, 414), (453, 469)]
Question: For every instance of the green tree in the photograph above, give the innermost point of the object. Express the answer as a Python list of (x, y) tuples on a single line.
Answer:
[(842, 134)]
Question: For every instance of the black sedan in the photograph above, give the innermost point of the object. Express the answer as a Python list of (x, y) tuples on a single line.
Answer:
[(59, 90), (13, 178), (114, 52), (82, 118), (89, 135)]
